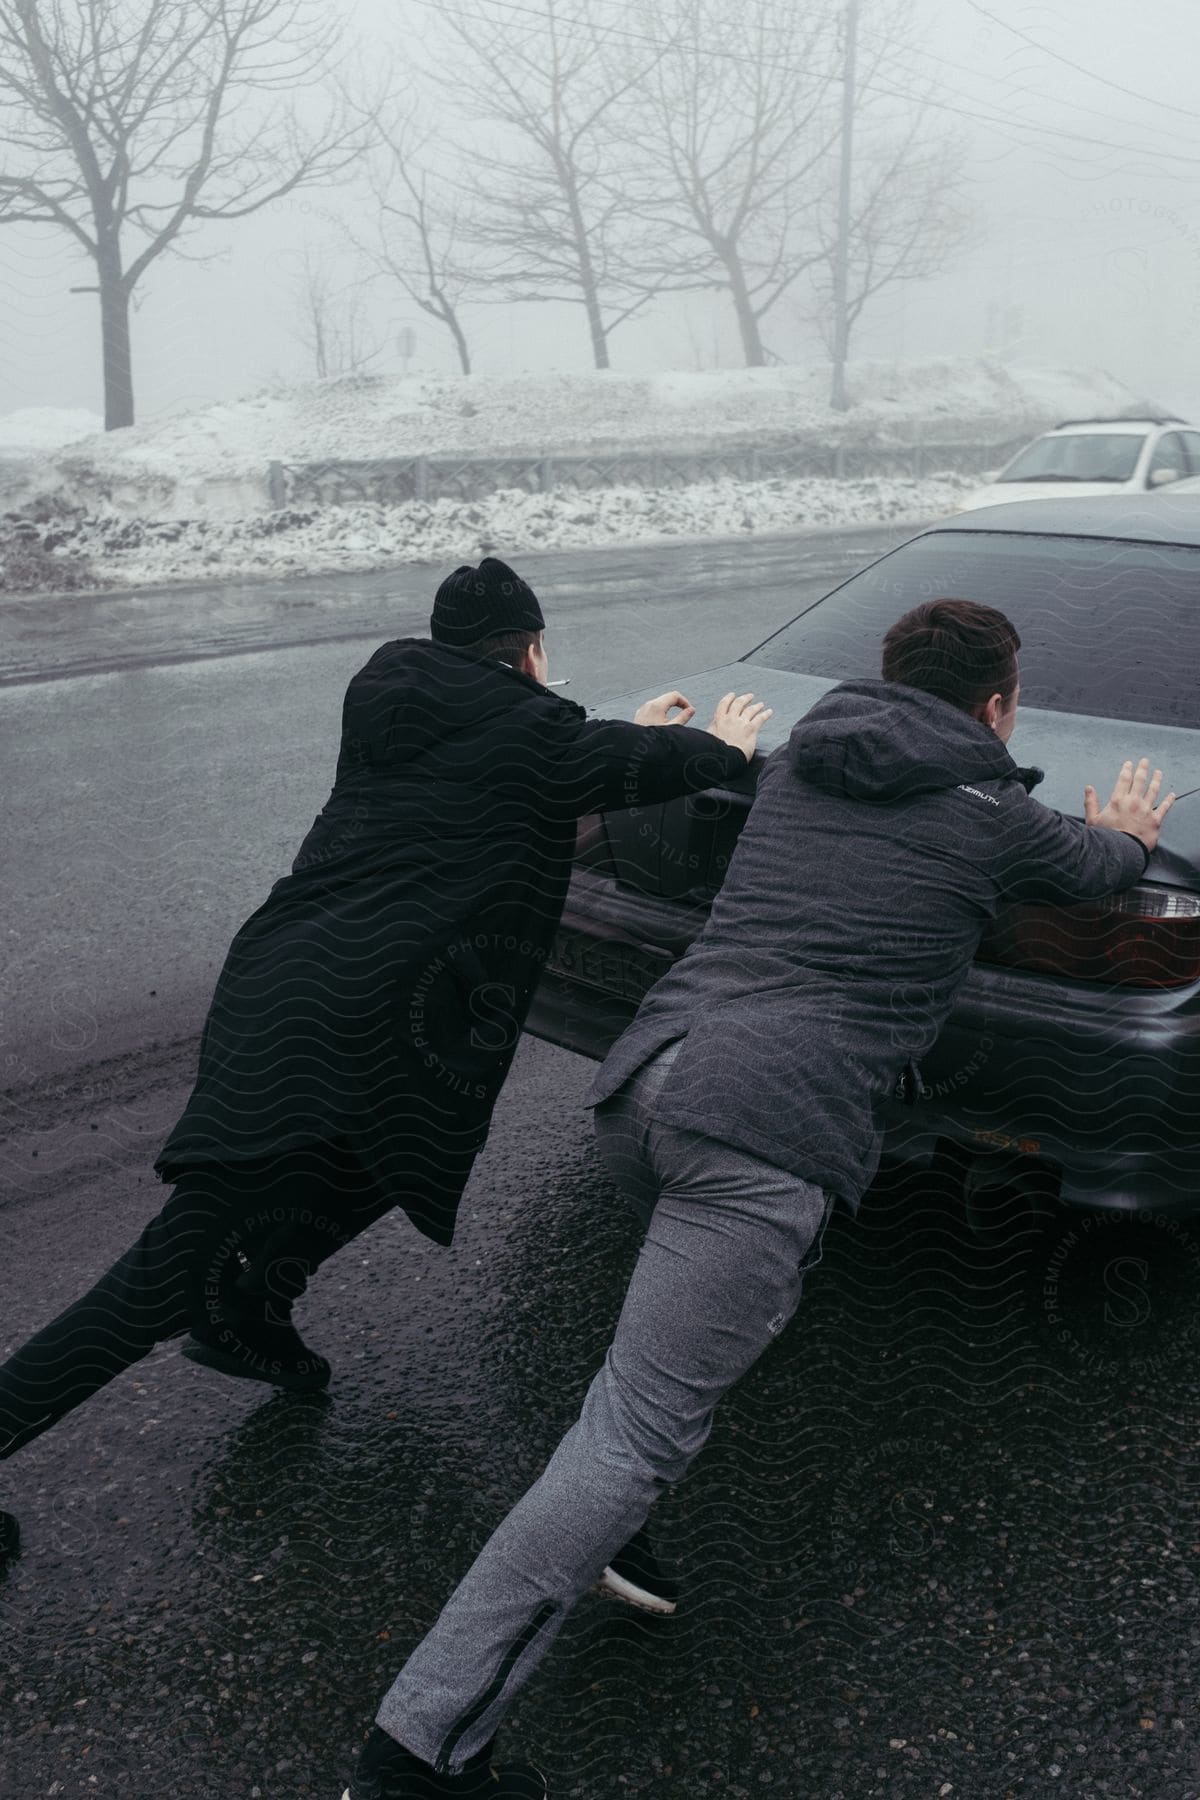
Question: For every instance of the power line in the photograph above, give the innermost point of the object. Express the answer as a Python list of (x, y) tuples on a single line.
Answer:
[(973, 114), (916, 49), (946, 62), (1090, 74)]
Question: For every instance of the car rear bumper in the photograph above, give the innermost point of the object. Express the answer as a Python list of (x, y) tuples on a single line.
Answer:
[(1101, 1083), (610, 949)]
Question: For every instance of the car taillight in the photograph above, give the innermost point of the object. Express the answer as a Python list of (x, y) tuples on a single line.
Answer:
[(1148, 937)]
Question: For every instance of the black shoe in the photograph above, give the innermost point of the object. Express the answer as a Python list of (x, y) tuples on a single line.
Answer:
[(387, 1771), (10, 1540), (635, 1574), (253, 1350)]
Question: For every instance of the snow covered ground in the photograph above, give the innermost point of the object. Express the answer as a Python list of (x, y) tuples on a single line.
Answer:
[(186, 498), (33, 430), (137, 551)]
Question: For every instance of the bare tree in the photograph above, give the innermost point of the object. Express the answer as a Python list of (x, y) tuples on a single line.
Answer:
[(551, 205), (736, 120), (906, 220), (330, 321), (140, 119), (420, 240)]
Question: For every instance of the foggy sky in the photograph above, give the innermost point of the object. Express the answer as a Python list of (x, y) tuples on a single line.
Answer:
[(1086, 254)]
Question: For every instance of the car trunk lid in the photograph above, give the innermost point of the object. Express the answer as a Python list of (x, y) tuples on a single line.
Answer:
[(682, 848)]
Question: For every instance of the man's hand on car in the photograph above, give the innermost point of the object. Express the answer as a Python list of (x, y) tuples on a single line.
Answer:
[(738, 720), (655, 712), (1131, 806)]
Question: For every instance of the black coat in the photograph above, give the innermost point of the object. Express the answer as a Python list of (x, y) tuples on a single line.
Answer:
[(885, 835), (378, 994)]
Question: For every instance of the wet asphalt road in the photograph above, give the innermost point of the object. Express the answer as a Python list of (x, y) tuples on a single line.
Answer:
[(162, 760), (944, 1539)]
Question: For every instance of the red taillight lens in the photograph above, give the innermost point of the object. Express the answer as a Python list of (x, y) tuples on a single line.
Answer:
[(1147, 938)]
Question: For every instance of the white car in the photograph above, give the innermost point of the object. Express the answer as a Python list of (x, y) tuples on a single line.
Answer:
[(1094, 457)]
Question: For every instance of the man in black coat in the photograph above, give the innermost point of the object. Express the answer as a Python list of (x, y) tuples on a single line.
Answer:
[(367, 1013)]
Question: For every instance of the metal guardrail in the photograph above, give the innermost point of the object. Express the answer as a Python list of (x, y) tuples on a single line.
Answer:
[(402, 479)]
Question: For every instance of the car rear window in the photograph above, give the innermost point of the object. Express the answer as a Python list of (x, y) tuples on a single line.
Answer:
[(1077, 456), (1107, 627)]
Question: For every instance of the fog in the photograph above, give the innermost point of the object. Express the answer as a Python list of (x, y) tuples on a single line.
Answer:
[(1081, 149)]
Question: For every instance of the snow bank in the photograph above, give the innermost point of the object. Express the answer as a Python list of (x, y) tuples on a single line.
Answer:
[(215, 461), (33, 430), (185, 499), (139, 552)]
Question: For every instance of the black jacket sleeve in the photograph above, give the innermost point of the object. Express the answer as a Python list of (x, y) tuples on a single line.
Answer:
[(599, 764), (1054, 858)]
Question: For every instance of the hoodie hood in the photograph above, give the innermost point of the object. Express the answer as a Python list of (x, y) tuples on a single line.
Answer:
[(414, 695), (880, 740)]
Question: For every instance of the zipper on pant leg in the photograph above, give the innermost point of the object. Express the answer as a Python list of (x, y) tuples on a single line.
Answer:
[(494, 1688)]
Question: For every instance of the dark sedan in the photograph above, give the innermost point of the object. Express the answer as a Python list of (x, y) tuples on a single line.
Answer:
[(1074, 1048)]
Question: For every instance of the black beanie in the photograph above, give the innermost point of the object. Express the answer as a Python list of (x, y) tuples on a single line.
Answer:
[(473, 604)]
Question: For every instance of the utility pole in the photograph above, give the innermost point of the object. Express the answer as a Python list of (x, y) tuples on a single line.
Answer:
[(841, 262)]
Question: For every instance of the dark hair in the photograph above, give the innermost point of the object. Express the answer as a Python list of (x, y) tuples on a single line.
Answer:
[(509, 646), (957, 649)]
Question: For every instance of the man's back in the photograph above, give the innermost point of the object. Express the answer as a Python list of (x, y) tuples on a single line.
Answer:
[(378, 994), (884, 836)]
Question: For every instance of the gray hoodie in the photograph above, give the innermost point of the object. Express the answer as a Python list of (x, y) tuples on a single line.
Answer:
[(885, 835)]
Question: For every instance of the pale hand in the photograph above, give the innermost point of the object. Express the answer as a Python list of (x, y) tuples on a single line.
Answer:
[(1131, 806), (655, 712), (738, 720)]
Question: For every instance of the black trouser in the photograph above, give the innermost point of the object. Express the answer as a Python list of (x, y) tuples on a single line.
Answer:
[(262, 1226)]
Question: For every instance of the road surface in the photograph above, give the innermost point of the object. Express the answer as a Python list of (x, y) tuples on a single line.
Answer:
[(944, 1539)]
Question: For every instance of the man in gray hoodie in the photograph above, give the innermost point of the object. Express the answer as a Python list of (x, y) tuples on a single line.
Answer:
[(741, 1105)]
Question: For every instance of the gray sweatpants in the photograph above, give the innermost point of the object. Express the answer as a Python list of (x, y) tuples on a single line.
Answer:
[(728, 1241)]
